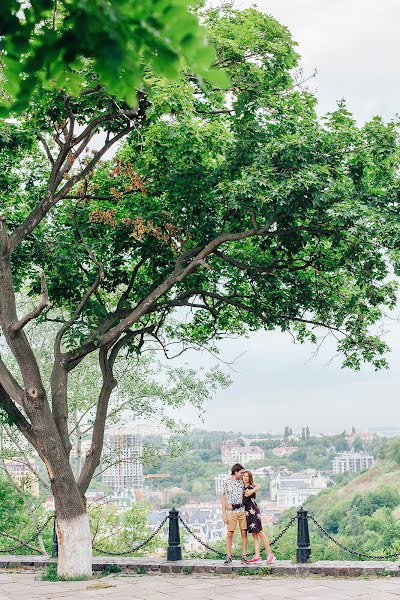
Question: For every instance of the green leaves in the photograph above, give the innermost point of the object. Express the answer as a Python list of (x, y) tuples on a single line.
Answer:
[(49, 44)]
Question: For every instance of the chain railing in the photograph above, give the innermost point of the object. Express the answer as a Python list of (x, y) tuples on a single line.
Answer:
[(303, 552), (200, 541), (138, 546), (351, 550), (174, 551), (222, 554), (26, 543)]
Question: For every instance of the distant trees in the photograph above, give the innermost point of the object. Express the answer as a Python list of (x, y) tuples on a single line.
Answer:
[(342, 445), (365, 521), (390, 450), (357, 444), (288, 432), (367, 504)]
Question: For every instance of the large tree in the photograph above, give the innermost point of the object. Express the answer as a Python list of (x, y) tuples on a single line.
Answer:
[(226, 211)]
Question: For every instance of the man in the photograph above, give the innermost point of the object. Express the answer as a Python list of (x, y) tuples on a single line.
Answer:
[(233, 510)]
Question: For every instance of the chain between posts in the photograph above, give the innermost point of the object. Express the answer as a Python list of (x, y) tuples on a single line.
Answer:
[(350, 550), (28, 541), (135, 548), (222, 554), (210, 548)]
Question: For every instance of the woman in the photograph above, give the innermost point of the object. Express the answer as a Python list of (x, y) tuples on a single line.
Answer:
[(254, 525)]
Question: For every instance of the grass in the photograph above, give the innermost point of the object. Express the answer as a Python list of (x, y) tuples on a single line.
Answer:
[(261, 572), (50, 574), (187, 570), (141, 571), (111, 570)]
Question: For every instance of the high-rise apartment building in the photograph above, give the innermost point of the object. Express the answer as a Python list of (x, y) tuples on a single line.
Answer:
[(123, 451)]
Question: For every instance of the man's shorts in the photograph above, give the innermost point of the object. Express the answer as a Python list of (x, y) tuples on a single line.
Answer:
[(235, 518)]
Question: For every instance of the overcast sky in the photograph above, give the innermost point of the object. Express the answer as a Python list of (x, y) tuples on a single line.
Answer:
[(355, 47)]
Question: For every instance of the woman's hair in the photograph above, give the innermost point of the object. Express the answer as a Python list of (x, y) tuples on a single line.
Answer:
[(251, 478)]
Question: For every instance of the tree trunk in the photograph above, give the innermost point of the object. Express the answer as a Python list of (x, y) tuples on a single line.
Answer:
[(72, 524), (78, 446), (73, 531), (74, 546)]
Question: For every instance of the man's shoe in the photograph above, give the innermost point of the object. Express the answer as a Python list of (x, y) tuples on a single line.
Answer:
[(271, 558), (244, 559), (228, 561)]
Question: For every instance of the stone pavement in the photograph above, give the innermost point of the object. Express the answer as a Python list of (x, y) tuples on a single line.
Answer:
[(27, 586)]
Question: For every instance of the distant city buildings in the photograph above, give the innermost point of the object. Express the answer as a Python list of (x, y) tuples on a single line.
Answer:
[(219, 481), (364, 436), (293, 490), (351, 462), (150, 429), (283, 450), (226, 448), (387, 431), (124, 499), (123, 450), (23, 474), (263, 472), (204, 519), (232, 452)]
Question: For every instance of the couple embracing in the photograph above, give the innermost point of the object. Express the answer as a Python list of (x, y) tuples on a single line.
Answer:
[(239, 508)]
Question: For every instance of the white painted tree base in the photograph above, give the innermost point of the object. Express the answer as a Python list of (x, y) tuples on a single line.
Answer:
[(74, 547)]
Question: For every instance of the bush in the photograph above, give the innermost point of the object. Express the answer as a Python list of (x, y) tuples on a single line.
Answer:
[(367, 504)]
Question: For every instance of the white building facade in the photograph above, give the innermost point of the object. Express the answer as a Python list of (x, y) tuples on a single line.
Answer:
[(243, 455), (351, 462), (293, 490), (219, 481)]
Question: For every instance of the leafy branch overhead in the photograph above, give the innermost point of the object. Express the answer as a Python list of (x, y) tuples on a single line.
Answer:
[(48, 43)]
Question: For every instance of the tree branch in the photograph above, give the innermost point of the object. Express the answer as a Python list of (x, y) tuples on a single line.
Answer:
[(128, 115), (10, 384), (52, 197), (46, 147), (26, 459), (44, 303), (93, 456), (12, 537), (132, 278), (16, 416), (180, 272), (4, 238)]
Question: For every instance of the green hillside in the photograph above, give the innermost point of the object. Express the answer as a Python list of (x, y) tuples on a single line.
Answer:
[(362, 514), (385, 473)]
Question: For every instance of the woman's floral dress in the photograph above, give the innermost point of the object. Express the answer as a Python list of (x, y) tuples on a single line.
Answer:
[(253, 513)]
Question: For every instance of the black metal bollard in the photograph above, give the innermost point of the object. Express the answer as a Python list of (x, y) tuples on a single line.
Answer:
[(174, 551), (54, 545), (303, 552)]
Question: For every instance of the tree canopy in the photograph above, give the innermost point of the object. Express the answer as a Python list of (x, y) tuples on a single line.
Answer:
[(242, 205), (48, 43)]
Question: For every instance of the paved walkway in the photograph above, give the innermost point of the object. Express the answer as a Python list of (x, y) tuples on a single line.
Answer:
[(27, 586)]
